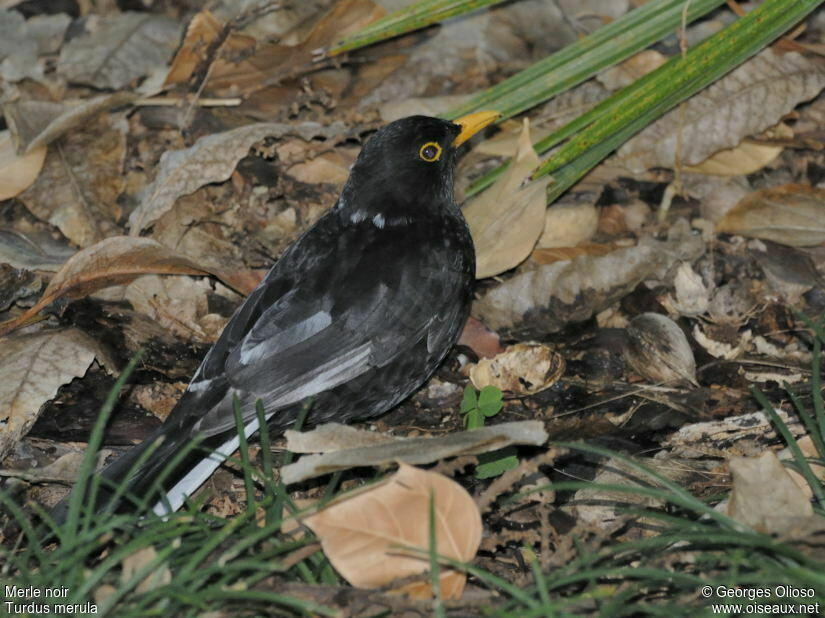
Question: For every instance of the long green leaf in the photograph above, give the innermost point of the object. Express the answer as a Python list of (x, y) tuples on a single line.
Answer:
[(416, 16)]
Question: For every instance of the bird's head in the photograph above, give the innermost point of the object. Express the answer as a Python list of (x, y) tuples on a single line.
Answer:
[(408, 165)]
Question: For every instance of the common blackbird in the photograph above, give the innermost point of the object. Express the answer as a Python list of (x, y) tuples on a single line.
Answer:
[(356, 314)]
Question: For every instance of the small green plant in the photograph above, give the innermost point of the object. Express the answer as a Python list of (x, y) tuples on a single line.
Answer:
[(476, 406)]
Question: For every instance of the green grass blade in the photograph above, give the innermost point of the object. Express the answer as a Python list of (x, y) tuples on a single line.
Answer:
[(584, 58), (410, 18), (682, 76)]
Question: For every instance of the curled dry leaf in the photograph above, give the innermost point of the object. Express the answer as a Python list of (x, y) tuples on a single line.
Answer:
[(112, 261), (691, 297), (17, 173), (792, 214), (32, 368), (484, 342), (547, 298), (382, 533), (746, 158), (344, 447), (764, 495), (522, 369), (745, 102), (506, 220), (658, 350), (211, 159)]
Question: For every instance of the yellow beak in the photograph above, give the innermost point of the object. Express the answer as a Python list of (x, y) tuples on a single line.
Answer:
[(472, 124)]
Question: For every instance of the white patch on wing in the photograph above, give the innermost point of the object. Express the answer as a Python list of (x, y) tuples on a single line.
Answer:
[(378, 221), (303, 330), (334, 372), (358, 216)]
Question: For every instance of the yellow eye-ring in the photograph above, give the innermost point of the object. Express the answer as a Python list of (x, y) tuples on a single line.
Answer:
[(430, 152)]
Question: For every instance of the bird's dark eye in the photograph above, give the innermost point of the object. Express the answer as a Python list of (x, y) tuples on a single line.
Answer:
[(430, 152)]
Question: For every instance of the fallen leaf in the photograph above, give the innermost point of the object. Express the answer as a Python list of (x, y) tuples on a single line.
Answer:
[(791, 215), (746, 158), (38, 123), (745, 102), (350, 448), (17, 173), (18, 49), (764, 495), (568, 224), (691, 297), (33, 367), (35, 253), (563, 254), (81, 180), (118, 49), (506, 220), (658, 350), (328, 167), (382, 533), (522, 369), (545, 299), (211, 159), (112, 261)]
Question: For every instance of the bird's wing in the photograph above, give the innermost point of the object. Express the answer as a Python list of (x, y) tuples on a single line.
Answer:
[(345, 315)]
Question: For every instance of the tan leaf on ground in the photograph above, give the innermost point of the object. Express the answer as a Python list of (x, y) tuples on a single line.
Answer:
[(480, 339), (522, 369), (39, 123), (81, 180), (368, 537), (32, 368), (746, 158), (211, 159), (112, 261), (17, 173), (568, 224), (764, 495), (745, 102), (342, 447), (545, 299), (791, 215), (506, 220), (158, 574)]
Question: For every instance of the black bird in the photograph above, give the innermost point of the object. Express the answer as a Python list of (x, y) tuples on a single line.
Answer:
[(356, 314)]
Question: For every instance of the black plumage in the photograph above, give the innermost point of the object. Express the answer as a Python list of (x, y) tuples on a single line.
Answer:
[(356, 314)]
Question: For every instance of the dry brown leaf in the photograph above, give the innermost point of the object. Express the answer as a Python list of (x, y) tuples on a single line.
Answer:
[(32, 368), (764, 495), (791, 215), (17, 173), (506, 219), (367, 537), (658, 350), (746, 158), (328, 167), (522, 369), (81, 180), (210, 159), (39, 123), (484, 342), (568, 224), (545, 299), (348, 448), (563, 254), (112, 261), (243, 65), (745, 102), (118, 49)]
